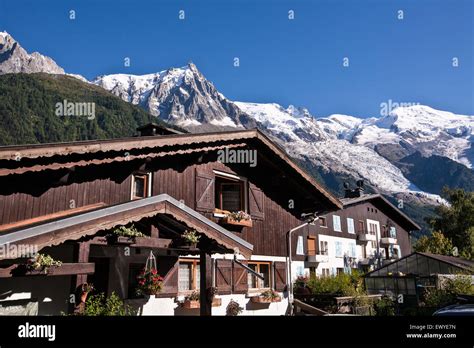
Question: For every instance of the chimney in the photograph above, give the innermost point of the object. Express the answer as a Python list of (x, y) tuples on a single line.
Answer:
[(354, 193), (152, 129)]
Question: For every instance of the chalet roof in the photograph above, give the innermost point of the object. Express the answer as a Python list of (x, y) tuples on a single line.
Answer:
[(75, 227), (452, 260), (27, 158), (383, 203)]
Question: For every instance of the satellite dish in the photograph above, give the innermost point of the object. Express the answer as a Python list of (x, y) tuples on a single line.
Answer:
[(346, 185), (360, 183)]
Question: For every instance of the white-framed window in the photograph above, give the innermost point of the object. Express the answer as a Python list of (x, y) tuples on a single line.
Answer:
[(393, 232), (325, 272), (339, 252), (336, 222), (299, 246), (350, 226), (141, 185)]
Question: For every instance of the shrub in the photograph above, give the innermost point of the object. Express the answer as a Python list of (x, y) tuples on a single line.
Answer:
[(338, 285), (451, 288), (385, 306), (100, 305)]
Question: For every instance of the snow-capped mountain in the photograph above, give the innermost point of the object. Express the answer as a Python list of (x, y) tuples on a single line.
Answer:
[(14, 58), (348, 146), (181, 96), (388, 152)]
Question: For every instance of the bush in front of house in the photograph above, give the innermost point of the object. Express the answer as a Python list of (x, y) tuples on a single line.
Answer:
[(100, 305), (342, 284), (385, 306), (449, 291)]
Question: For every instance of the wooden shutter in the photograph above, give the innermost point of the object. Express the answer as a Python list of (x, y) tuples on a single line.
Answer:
[(205, 190), (224, 276), (239, 278), (170, 278), (280, 276), (256, 202)]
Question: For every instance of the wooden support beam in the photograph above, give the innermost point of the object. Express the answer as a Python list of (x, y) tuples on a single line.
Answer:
[(205, 264), (82, 257), (63, 270), (154, 231)]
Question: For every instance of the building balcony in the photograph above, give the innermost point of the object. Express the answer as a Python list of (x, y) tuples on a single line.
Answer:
[(388, 241), (366, 237), (318, 258)]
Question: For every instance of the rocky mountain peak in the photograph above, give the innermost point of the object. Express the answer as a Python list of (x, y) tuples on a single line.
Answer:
[(15, 59)]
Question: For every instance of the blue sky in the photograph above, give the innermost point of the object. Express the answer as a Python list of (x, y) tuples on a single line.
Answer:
[(297, 62)]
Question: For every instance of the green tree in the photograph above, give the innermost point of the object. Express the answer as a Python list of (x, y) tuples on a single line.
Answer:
[(437, 243), (456, 220)]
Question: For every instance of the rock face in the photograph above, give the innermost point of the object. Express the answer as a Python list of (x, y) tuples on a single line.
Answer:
[(14, 59), (180, 96)]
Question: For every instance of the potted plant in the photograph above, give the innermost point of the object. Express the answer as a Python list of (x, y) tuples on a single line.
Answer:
[(240, 218), (233, 309), (149, 282), (128, 235), (192, 300), (191, 238), (86, 288), (42, 263), (268, 296)]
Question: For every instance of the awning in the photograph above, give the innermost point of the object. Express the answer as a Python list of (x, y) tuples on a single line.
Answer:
[(89, 223)]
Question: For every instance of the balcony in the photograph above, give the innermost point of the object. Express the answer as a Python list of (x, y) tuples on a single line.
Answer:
[(388, 241), (365, 236), (317, 258)]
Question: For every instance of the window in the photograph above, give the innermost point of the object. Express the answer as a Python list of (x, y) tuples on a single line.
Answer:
[(336, 221), (230, 194), (340, 270), (263, 268), (322, 222), (373, 244), (372, 229), (299, 246), (189, 275), (360, 226), (141, 187), (350, 225), (311, 246), (325, 272), (323, 247), (352, 250), (393, 232), (338, 249)]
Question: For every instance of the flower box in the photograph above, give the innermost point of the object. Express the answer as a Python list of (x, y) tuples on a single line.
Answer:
[(191, 304), (262, 299), (230, 221)]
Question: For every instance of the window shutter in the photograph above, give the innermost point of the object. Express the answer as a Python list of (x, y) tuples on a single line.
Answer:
[(224, 276), (170, 279), (256, 200), (205, 190), (239, 278), (280, 275)]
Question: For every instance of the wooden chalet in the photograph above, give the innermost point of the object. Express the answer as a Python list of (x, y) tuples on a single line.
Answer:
[(67, 199)]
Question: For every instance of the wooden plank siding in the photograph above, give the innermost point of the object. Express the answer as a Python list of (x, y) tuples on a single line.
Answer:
[(111, 184)]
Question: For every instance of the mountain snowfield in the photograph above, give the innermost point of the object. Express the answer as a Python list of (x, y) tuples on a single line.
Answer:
[(369, 148), (339, 143)]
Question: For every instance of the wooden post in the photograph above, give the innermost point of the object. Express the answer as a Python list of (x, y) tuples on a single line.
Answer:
[(205, 264), (81, 254), (154, 231)]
